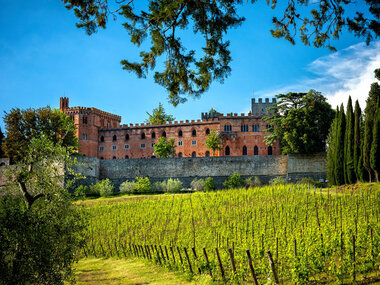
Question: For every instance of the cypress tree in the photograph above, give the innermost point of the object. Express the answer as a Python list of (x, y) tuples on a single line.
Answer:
[(349, 170), (357, 142), (375, 148), (339, 154), (1, 143), (331, 147)]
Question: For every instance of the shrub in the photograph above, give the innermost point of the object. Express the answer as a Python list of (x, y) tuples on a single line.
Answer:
[(197, 184), (209, 184), (250, 184), (102, 188), (173, 185), (81, 192), (234, 181), (159, 187), (277, 180), (310, 181), (127, 187), (143, 185)]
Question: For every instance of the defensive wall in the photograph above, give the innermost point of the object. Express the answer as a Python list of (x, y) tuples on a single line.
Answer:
[(292, 167)]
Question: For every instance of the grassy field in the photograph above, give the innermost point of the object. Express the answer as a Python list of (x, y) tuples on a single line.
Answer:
[(314, 235)]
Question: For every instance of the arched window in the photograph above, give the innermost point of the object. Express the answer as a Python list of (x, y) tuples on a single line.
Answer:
[(164, 134), (193, 154), (227, 128), (180, 133), (207, 153), (207, 131), (127, 137), (114, 138), (114, 157), (102, 157), (153, 135), (142, 136), (102, 139), (244, 150), (194, 133), (153, 156), (227, 150), (180, 154), (269, 150), (255, 150)]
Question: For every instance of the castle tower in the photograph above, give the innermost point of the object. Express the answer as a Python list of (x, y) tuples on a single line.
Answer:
[(260, 107), (63, 103)]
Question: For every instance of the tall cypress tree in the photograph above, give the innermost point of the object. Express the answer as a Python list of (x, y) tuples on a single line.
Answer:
[(375, 148), (331, 147), (339, 154), (1, 143), (349, 170), (372, 104), (357, 142)]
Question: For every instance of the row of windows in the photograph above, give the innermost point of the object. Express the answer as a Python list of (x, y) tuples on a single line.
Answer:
[(126, 146)]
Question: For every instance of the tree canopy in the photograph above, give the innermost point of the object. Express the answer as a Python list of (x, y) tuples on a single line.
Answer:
[(159, 116), (164, 148), (23, 125), (301, 122), (187, 73), (214, 141)]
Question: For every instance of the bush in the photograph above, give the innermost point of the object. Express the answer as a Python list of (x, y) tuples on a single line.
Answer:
[(310, 181), (250, 184), (159, 187), (209, 184), (234, 181), (127, 187), (197, 184), (173, 185), (102, 188), (277, 180), (142, 185), (81, 192)]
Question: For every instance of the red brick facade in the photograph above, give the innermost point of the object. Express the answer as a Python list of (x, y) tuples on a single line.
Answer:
[(101, 135)]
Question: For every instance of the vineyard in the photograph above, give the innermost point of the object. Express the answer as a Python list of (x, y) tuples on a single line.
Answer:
[(280, 234)]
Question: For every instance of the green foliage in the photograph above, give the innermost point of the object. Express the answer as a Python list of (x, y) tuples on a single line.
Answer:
[(23, 125), (339, 147), (234, 181), (40, 229), (1, 143), (358, 127), (164, 148), (173, 185), (157, 27), (279, 180), (142, 185), (251, 184), (310, 181), (159, 116), (102, 188), (375, 147), (209, 184), (81, 192), (301, 122), (197, 184), (349, 169), (127, 187), (331, 149), (214, 141)]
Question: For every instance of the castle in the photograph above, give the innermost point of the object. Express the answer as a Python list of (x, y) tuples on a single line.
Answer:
[(101, 135)]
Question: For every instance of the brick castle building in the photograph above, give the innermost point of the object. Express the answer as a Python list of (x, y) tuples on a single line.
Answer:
[(101, 135)]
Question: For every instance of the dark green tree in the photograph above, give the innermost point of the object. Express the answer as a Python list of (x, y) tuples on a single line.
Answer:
[(159, 116), (375, 147), (164, 148), (301, 122), (357, 142), (339, 147), (23, 125), (214, 142), (331, 148), (1, 143), (372, 104), (349, 169), (161, 23)]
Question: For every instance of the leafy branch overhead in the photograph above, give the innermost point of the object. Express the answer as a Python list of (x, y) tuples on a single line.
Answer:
[(186, 73)]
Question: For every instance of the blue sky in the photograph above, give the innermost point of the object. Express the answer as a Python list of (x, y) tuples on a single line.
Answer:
[(43, 56)]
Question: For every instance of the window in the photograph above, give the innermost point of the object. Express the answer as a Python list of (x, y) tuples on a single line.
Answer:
[(194, 133), (127, 137), (152, 145), (268, 127), (255, 150), (84, 120), (193, 154), (207, 153), (84, 137), (126, 146), (126, 157), (153, 156), (102, 157), (227, 150), (180, 154), (244, 150), (193, 142), (142, 136), (244, 128), (101, 148), (142, 145), (227, 128), (256, 128), (180, 133), (269, 150), (153, 135), (164, 134), (114, 157), (102, 139), (180, 143), (114, 138), (207, 131), (114, 147)]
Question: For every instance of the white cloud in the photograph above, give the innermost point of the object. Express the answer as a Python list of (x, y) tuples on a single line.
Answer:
[(338, 75)]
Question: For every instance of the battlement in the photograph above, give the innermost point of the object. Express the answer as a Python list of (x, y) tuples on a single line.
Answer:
[(260, 107)]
